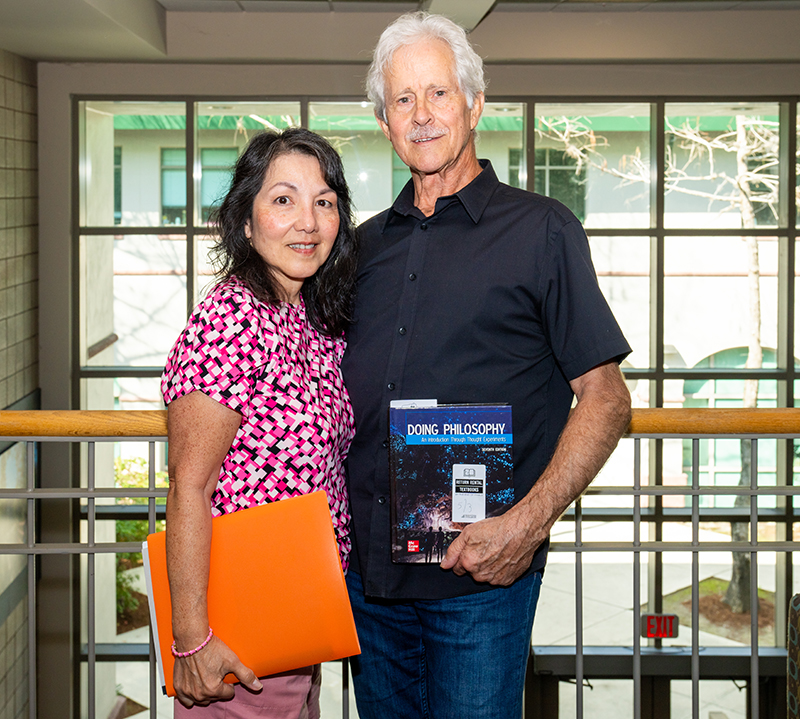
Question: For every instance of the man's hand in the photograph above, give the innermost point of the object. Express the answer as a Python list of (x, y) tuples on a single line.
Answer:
[(198, 678), (497, 550)]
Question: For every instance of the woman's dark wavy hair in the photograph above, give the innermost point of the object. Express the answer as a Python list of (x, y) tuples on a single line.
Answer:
[(328, 294)]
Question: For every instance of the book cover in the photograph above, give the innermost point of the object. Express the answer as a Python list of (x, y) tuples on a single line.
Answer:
[(276, 591), (449, 466)]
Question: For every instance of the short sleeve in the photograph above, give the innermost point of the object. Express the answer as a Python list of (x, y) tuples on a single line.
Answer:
[(218, 352), (581, 329)]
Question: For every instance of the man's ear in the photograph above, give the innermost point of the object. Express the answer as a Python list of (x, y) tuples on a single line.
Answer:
[(384, 126), (477, 110)]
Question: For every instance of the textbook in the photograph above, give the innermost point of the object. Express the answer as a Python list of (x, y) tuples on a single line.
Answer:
[(449, 466), (276, 591)]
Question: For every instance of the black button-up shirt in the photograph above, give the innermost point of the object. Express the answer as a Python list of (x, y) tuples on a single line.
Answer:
[(491, 299)]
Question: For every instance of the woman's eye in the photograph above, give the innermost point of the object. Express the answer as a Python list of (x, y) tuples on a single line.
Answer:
[(282, 200), (325, 203)]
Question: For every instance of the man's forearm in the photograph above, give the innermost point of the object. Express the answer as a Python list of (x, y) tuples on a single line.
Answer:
[(595, 425)]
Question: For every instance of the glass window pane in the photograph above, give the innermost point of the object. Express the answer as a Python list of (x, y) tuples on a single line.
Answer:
[(133, 292), (222, 157), (222, 131), (400, 174), (623, 271), (501, 139), (719, 293), (374, 173), (173, 189), (797, 306), (721, 165), (204, 269), (132, 159), (595, 158), (797, 170), (214, 186), (173, 157)]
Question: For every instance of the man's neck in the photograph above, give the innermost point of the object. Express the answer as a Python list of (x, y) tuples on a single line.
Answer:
[(430, 187)]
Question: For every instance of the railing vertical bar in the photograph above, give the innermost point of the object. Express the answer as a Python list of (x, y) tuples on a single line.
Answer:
[(578, 613), (90, 585), (345, 688), (151, 525), (31, 541), (754, 579), (151, 485), (695, 579), (637, 573)]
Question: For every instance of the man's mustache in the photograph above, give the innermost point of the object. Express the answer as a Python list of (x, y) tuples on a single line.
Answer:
[(422, 133)]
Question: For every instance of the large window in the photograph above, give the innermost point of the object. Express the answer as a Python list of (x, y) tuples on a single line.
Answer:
[(691, 212)]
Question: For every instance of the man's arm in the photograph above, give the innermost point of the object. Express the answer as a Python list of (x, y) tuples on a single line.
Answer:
[(498, 550)]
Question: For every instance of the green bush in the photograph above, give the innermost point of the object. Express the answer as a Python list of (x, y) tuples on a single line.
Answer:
[(128, 474)]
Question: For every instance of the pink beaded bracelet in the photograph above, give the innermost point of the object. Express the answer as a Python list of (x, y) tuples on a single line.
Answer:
[(180, 655)]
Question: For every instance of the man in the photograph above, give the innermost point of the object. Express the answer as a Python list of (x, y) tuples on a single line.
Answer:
[(470, 291)]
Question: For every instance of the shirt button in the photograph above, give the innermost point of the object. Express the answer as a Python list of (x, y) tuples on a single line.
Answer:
[(402, 330), (385, 443), (390, 386), (423, 226), (381, 500), (412, 277)]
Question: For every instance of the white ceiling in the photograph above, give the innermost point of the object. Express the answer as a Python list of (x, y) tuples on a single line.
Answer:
[(344, 31)]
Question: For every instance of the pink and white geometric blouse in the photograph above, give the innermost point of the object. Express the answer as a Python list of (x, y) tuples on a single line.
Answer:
[(270, 365)]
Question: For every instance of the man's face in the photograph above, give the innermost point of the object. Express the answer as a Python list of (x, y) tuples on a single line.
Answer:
[(428, 120)]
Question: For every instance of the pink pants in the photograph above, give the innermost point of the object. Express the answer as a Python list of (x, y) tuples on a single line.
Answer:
[(291, 695)]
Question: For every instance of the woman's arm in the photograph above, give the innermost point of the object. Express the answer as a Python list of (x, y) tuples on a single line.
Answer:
[(201, 432)]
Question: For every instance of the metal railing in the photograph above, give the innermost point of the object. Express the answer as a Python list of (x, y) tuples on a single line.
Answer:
[(637, 663)]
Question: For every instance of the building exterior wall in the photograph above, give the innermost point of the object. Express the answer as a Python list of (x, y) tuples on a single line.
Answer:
[(18, 351)]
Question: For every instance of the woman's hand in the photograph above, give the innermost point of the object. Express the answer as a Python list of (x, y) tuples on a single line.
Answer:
[(198, 679)]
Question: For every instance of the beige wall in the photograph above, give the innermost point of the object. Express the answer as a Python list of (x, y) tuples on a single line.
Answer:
[(18, 229)]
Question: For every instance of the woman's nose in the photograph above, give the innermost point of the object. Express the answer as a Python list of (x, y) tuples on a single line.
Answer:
[(306, 220)]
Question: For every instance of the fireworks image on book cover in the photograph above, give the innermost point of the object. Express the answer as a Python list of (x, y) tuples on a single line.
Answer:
[(450, 465)]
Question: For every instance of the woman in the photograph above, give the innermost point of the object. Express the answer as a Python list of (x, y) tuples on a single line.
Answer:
[(257, 410)]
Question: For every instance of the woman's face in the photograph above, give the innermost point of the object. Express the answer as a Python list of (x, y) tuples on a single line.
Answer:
[(295, 221)]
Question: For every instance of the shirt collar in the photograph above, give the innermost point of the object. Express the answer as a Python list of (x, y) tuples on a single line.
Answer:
[(474, 197)]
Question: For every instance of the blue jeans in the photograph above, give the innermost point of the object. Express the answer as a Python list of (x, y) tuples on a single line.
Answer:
[(460, 658)]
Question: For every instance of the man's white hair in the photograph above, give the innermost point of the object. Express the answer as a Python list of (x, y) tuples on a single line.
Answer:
[(411, 28)]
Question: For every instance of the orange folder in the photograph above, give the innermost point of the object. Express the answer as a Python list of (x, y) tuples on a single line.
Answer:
[(276, 591)]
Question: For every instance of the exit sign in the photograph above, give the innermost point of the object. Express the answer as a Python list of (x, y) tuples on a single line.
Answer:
[(659, 626)]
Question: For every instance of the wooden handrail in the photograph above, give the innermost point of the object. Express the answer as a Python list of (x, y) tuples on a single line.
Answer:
[(83, 423), (153, 423), (715, 421)]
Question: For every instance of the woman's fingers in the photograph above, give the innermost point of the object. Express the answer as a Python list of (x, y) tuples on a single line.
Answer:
[(198, 679)]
